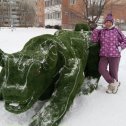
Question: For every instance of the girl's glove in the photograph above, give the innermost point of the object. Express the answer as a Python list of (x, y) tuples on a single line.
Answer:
[(119, 48), (99, 27)]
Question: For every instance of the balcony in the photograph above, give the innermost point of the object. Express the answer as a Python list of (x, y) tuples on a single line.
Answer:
[(53, 8)]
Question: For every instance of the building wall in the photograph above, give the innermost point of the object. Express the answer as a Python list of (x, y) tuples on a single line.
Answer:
[(40, 13), (117, 7), (65, 14), (118, 11), (72, 12)]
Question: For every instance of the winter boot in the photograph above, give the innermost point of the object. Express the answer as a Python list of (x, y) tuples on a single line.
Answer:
[(113, 87)]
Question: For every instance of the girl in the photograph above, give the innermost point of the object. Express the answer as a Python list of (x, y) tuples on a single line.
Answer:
[(112, 41)]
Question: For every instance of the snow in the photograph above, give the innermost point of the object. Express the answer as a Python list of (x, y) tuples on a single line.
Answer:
[(12, 41), (96, 109)]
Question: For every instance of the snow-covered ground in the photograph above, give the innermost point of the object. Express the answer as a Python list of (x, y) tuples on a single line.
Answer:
[(96, 109)]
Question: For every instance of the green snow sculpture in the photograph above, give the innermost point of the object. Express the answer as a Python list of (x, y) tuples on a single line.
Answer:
[(48, 67)]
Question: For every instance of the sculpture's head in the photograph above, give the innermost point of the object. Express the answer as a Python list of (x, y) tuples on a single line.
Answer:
[(21, 84), (25, 79)]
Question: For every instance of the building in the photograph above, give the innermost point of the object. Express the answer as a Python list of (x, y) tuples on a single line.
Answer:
[(9, 12), (65, 13), (17, 13)]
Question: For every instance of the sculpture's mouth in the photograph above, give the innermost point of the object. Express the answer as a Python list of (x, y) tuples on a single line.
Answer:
[(18, 107)]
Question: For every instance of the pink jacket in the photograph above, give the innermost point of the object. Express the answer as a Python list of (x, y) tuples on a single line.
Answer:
[(110, 40)]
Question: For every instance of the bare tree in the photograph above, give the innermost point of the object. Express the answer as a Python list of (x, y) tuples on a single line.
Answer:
[(93, 10), (27, 17)]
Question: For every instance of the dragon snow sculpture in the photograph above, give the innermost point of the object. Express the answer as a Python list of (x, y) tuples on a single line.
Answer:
[(49, 67)]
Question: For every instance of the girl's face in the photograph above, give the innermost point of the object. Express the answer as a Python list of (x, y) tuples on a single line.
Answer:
[(108, 24)]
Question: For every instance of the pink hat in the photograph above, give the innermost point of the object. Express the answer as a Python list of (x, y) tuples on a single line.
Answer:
[(109, 18)]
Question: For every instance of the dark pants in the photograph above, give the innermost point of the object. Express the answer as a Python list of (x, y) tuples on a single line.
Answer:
[(112, 73)]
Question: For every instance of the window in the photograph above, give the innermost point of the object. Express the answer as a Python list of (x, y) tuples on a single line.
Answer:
[(6, 22), (57, 2), (57, 15), (48, 16), (48, 3), (5, 0), (73, 1), (51, 2), (54, 15)]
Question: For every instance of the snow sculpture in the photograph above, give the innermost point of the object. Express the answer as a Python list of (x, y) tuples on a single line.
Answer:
[(48, 67)]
